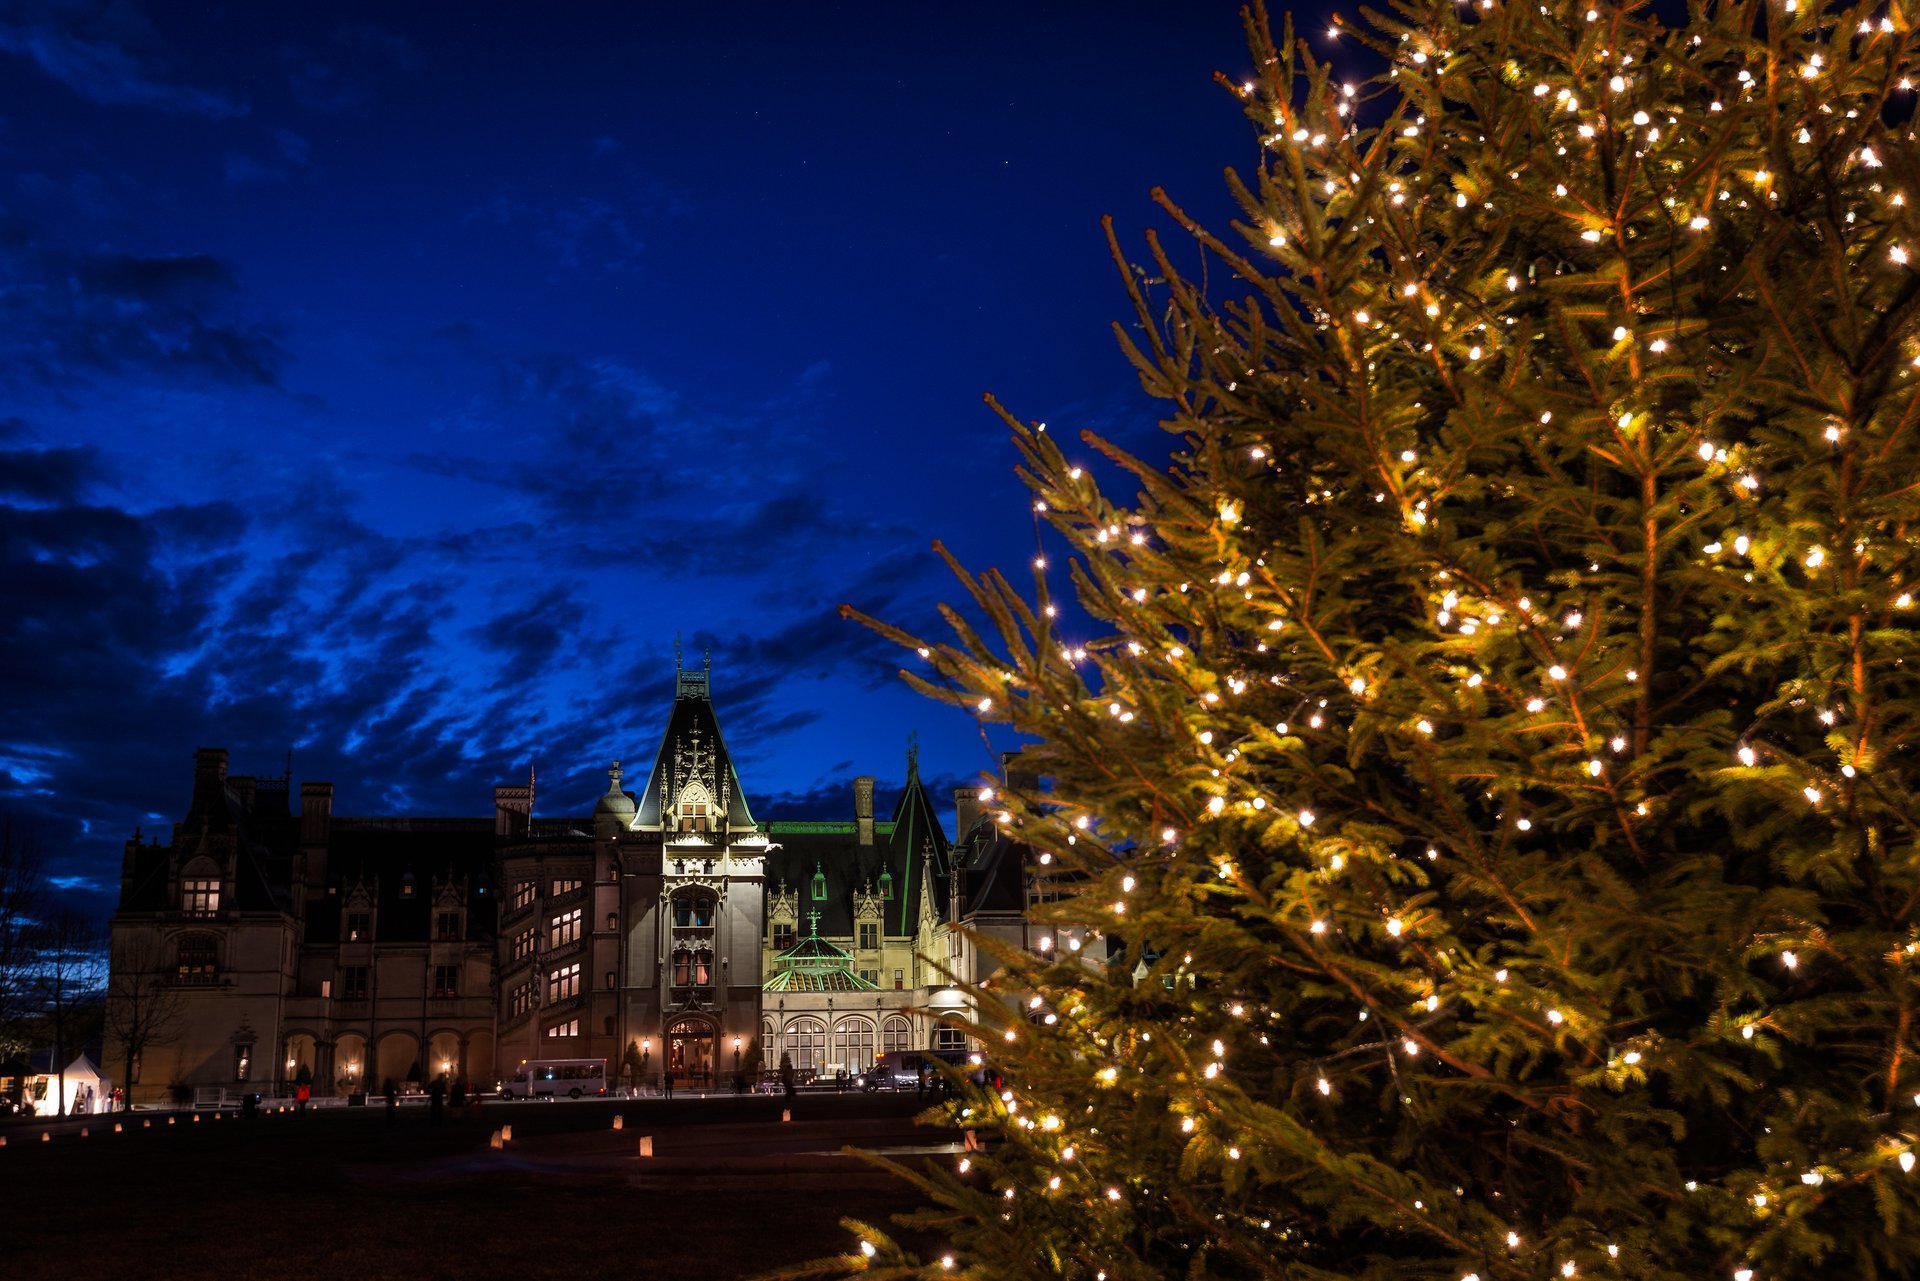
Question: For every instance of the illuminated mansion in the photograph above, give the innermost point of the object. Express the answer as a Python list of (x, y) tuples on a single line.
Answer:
[(285, 942)]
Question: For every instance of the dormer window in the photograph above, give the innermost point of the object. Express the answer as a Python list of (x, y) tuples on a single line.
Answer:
[(200, 897), (819, 885), (886, 885), (695, 809)]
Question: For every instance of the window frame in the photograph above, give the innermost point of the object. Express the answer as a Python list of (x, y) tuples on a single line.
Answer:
[(200, 896)]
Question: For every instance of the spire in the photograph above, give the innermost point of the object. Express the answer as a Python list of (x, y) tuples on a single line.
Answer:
[(913, 755)]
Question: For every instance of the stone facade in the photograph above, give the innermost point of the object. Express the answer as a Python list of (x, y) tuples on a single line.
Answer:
[(356, 951)]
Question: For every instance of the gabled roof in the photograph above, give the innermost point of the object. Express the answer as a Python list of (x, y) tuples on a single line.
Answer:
[(692, 750)]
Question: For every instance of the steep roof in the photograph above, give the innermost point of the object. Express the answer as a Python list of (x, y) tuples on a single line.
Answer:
[(917, 836), (692, 751)]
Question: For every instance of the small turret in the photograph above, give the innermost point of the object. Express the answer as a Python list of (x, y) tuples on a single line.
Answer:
[(615, 810)]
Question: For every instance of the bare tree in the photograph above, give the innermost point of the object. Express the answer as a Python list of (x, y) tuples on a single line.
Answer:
[(143, 1005), (67, 971), (20, 892)]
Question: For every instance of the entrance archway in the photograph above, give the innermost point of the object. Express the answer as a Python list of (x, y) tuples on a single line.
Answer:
[(690, 1051)]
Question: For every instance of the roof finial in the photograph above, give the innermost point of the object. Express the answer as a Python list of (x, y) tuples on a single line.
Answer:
[(676, 652), (913, 755), (813, 924), (707, 658)]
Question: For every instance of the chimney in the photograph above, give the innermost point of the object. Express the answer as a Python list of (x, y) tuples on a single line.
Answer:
[(863, 807), (512, 809), (1015, 779), (209, 771), (316, 812), (966, 811)]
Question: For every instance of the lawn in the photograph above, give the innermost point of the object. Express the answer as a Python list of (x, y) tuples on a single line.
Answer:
[(731, 1191)]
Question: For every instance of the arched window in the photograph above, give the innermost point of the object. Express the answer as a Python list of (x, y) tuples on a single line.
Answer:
[(897, 1034), (807, 1044), (197, 958), (853, 1044)]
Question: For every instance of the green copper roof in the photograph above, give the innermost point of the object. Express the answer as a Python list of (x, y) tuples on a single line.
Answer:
[(823, 827), (829, 981), (815, 965)]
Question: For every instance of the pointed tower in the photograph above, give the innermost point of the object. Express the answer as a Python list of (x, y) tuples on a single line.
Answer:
[(917, 843), (693, 873)]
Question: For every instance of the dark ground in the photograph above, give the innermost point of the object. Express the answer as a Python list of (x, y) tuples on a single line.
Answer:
[(730, 1192)]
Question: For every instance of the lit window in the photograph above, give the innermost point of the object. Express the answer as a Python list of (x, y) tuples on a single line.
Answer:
[(242, 1061), (563, 983), (523, 944), (359, 927), (564, 887), (197, 958), (200, 898), (853, 1044), (692, 968), (806, 1043), (897, 1035), (565, 928), (523, 894), (522, 999), (570, 1028)]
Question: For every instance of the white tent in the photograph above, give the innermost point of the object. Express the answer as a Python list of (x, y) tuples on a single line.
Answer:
[(87, 1091)]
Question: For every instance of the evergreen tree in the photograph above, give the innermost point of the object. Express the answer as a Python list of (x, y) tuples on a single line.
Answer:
[(1486, 822)]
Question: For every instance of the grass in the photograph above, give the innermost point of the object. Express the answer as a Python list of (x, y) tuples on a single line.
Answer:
[(731, 1192)]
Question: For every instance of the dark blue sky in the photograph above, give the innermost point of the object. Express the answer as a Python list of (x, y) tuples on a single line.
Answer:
[(391, 383)]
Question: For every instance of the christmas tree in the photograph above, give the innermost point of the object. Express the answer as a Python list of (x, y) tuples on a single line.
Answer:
[(1484, 820)]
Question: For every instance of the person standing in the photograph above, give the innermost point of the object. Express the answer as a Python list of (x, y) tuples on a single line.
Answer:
[(787, 1076), (301, 1093), (666, 1080), (393, 1100)]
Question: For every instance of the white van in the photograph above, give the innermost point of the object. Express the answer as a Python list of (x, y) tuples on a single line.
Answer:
[(573, 1078)]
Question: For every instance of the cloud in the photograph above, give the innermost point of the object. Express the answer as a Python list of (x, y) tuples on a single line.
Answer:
[(342, 82), (290, 153), (105, 70), (579, 233), (47, 475), (69, 317)]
